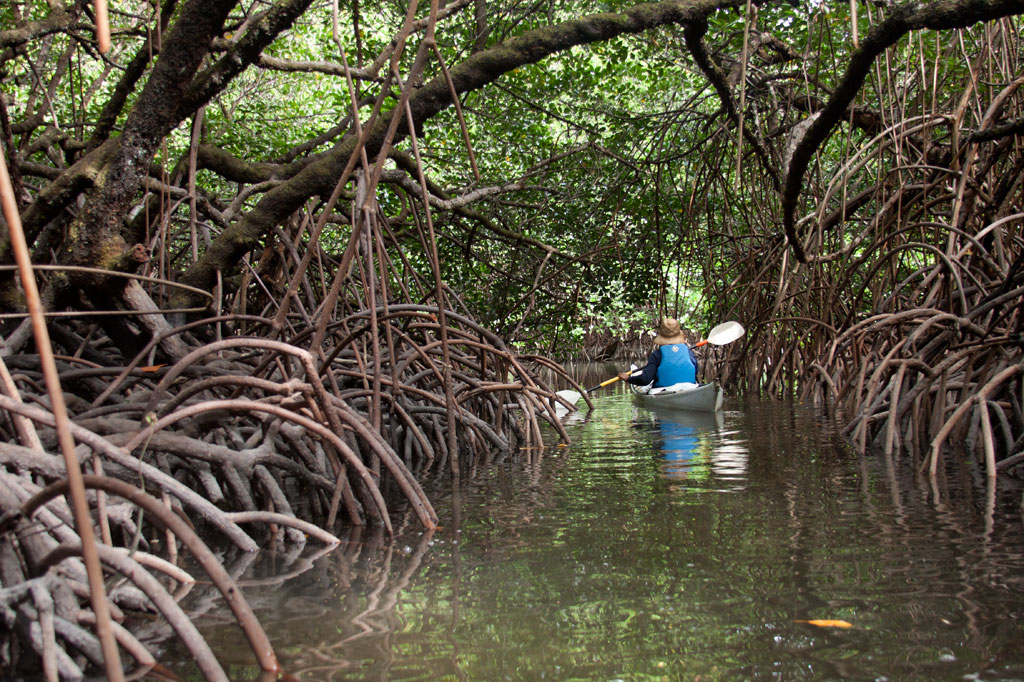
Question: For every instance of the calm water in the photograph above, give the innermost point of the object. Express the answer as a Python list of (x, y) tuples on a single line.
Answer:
[(664, 547)]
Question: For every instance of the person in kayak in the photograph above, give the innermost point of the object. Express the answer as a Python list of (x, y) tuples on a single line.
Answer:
[(672, 362)]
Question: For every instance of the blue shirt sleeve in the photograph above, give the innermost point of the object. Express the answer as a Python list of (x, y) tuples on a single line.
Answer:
[(649, 372)]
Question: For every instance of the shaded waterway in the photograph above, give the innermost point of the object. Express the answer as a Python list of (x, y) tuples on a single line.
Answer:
[(661, 546)]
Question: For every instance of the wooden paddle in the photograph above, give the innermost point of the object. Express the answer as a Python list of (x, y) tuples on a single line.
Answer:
[(727, 332)]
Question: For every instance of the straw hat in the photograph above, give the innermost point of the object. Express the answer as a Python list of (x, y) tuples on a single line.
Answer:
[(669, 332)]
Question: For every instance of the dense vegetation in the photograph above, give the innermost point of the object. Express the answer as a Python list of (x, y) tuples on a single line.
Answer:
[(299, 250)]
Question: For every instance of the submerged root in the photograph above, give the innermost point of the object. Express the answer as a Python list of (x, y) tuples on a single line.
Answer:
[(246, 440)]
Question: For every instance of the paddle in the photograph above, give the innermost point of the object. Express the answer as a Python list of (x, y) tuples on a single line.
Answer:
[(727, 332)]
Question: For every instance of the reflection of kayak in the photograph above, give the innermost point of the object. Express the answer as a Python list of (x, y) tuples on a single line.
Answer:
[(696, 397), (695, 444), (700, 421), (688, 440)]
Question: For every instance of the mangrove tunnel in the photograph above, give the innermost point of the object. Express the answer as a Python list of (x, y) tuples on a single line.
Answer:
[(265, 264)]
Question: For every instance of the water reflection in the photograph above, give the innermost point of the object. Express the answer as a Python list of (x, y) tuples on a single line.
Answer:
[(684, 438), (660, 546), (696, 445), (679, 446)]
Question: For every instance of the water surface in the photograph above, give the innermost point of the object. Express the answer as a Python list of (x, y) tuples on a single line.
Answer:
[(666, 546)]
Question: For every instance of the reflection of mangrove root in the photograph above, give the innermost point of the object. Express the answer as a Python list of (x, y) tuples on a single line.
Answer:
[(44, 603), (247, 439)]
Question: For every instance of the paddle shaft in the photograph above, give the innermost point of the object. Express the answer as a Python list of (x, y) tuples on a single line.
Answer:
[(603, 384)]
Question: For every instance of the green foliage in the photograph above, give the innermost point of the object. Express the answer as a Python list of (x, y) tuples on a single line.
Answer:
[(638, 195)]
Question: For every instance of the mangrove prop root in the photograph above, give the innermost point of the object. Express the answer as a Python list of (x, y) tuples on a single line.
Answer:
[(281, 435)]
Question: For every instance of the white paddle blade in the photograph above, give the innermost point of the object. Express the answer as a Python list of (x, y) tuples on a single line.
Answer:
[(727, 332), (568, 396)]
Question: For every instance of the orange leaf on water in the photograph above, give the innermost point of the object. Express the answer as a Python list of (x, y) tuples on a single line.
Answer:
[(825, 623)]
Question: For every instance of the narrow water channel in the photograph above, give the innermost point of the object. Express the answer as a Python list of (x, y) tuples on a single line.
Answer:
[(661, 546)]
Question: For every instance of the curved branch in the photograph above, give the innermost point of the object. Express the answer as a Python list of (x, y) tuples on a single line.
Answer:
[(258, 639), (943, 14), (60, 19), (480, 69), (167, 483), (694, 34)]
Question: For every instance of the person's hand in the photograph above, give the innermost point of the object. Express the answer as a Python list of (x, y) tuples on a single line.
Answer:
[(624, 376)]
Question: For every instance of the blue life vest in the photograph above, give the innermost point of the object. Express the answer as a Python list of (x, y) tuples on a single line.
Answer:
[(677, 365)]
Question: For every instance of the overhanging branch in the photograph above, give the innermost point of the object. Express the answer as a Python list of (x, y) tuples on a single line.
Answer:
[(940, 15), (480, 69)]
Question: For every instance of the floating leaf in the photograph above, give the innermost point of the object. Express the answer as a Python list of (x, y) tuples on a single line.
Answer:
[(825, 623)]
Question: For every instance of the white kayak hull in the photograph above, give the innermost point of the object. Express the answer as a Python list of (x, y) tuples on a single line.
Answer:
[(701, 398)]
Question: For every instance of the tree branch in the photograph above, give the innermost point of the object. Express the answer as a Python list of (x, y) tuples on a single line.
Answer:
[(479, 69), (59, 20), (694, 34), (937, 15)]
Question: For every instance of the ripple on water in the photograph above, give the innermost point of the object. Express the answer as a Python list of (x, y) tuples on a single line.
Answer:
[(659, 547)]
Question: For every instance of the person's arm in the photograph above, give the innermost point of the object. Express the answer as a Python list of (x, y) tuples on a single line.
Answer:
[(647, 374)]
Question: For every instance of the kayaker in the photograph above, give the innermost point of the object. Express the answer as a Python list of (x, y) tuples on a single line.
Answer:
[(672, 362)]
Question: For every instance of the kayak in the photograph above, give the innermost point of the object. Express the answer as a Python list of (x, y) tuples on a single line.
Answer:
[(697, 397)]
